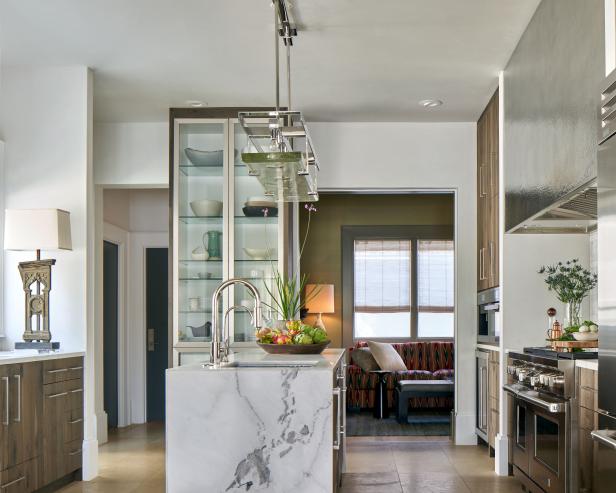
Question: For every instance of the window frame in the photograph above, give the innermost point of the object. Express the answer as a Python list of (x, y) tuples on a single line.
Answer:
[(349, 235)]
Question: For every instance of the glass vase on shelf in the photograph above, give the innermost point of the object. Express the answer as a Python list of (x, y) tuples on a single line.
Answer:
[(572, 313)]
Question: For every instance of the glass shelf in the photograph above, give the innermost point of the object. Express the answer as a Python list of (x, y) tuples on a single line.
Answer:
[(214, 220), (193, 170), (188, 279)]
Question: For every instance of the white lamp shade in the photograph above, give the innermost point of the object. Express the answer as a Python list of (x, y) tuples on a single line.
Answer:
[(323, 301), (37, 229)]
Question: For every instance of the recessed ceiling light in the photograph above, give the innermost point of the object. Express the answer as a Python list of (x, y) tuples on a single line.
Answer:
[(195, 103), (430, 103)]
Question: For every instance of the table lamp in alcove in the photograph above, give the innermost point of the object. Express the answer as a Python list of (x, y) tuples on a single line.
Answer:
[(36, 230), (321, 302)]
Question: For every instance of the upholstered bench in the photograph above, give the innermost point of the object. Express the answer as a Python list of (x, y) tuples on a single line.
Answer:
[(407, 389)]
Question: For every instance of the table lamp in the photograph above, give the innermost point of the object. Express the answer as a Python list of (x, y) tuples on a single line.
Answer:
[(36, 230), (321, 302)]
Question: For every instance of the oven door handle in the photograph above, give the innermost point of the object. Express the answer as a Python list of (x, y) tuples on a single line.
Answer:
[(551, 407), (604, 438)]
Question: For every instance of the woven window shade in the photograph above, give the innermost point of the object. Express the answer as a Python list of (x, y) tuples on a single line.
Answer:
[(382, 276), (435, 274)]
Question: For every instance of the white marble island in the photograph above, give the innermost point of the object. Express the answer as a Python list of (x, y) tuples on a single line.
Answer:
[(255, 428)]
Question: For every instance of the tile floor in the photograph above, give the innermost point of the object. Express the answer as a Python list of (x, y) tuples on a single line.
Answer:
[(420, 465), (134, 462)]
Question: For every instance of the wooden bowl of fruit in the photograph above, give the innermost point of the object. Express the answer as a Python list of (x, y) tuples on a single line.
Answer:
[(298, 338)]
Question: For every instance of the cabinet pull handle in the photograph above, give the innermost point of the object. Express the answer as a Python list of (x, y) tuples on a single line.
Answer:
[(75, 452), (53, 396), (18, 480), (75, 421), (338, 438), (75, 368), (6, 400), (492, 259), (76, 391), (59, 370), (482, 179), (18, 418)]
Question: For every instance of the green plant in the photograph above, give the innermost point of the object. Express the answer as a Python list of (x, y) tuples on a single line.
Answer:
[(569, 280), (286, 294)]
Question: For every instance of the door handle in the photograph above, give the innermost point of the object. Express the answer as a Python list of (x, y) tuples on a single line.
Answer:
[(18, 418), (6, 399), (604, 437), (15, 481), (491, 259), (151, 340)]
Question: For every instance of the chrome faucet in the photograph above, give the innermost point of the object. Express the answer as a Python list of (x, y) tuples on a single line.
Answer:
[(220, 341)]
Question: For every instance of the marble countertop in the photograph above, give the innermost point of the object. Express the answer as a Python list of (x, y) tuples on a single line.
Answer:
[(327, 360), (30, 355), (488, 347)]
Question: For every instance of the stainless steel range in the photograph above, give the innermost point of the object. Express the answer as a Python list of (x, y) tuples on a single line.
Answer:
[(542, 402)]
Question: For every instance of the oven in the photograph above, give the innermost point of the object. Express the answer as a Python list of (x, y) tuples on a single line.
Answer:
[(488, 327), (540, 437)]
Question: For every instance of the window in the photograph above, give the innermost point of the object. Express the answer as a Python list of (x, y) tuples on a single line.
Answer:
[(382, 288), (435, 288), (400, 282)]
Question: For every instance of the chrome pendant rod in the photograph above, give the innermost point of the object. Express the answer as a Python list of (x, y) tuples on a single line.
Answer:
[(277, 56), (289, 76)]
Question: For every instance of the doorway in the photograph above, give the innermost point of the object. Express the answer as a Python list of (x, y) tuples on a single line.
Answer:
[(157, 331), (110, 331)]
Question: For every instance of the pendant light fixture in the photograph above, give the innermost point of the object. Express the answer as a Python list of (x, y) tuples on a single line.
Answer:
[(284, 160)]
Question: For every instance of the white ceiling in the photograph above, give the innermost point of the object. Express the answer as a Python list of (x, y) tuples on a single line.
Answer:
[(354, 60)]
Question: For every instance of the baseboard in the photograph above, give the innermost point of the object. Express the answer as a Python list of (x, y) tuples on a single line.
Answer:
[(89, 451), (101, 427), (59, 483), (501, 455)]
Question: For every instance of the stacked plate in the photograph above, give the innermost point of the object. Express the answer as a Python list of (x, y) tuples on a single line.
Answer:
[(256, 207)]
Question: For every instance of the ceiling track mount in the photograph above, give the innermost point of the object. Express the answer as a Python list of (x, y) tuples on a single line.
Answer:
[(286, 29)]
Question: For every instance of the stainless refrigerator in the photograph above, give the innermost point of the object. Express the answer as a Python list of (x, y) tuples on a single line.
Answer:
[(604, 474)]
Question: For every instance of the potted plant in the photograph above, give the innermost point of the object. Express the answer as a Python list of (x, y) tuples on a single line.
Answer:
[(571, 282), (288, 300)]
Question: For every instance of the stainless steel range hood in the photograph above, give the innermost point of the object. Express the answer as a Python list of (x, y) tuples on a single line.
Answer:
[(575, 212)]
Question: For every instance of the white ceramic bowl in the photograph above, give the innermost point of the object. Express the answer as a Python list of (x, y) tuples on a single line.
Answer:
[(199, 253), (585, 336), (206, 208), (204, 158), (259, 253)]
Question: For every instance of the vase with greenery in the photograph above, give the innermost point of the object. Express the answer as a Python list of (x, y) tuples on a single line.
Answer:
[(287, 291), (571, 282)]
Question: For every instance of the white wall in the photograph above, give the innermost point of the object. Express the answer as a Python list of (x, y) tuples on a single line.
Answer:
[(418, 156), (46, 123), (525, 296), (134, 154)]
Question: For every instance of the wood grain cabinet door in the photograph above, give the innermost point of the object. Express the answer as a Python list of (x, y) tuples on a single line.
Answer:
[(55, 407), (5, 400)]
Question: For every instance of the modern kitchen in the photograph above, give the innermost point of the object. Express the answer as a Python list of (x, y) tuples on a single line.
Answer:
[(218, 243)]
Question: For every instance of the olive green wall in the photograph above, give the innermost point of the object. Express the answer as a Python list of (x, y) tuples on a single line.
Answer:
[(322, 260)]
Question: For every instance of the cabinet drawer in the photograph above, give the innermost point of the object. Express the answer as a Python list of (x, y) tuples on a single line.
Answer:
[(60, 370), (588, 398), (73, 427), (73, 456), (588, 378), (589, 419), (20, 479)]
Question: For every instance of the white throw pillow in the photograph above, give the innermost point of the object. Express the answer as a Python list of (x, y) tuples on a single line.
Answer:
[(386, 356)]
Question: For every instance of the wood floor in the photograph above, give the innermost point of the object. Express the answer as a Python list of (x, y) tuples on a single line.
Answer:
[(134, 462)]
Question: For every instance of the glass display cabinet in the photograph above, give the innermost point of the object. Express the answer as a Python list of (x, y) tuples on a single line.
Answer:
[(221, 227)]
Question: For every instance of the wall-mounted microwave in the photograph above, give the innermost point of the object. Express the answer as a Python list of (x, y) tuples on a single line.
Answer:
[(488, 322)]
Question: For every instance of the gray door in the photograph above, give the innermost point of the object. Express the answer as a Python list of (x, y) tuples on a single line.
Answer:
[(110, 332), (157, 330)]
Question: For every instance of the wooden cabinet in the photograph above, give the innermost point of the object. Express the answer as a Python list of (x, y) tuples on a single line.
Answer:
[(493, 397), (487, 197), (63, 417), (41, 424), (588, 420)]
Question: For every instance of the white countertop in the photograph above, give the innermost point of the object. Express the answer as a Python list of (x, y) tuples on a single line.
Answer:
[(488, 347), (31, 355), (327, 360), (591, 364)]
